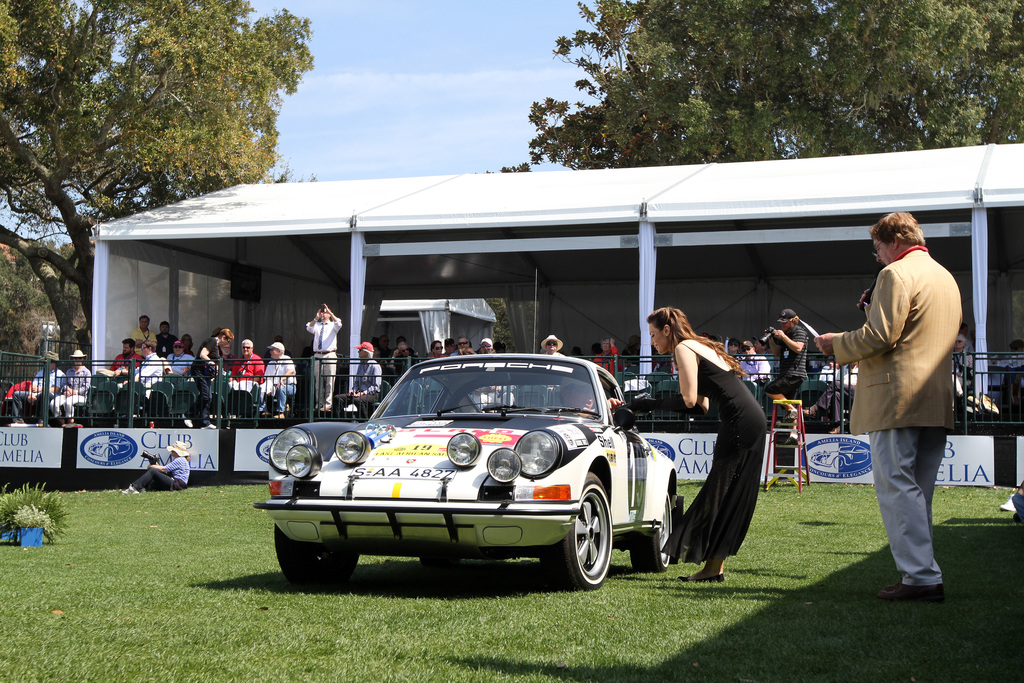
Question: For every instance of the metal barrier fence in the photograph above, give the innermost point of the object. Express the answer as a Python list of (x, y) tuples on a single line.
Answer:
[(987, 403)]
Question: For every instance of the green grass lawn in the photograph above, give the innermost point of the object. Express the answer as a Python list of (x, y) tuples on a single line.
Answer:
[(185, 587)]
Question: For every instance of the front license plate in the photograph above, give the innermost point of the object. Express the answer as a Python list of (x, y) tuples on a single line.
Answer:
[(404, 473)]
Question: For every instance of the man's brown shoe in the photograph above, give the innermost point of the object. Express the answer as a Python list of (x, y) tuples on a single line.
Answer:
[(902, 591)]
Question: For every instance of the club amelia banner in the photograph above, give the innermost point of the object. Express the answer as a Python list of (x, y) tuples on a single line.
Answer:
[(252, 449), (122, 448), (968, 460), (30, 447)]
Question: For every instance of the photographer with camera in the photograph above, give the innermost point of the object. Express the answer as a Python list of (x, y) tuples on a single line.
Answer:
[(170, 477), (789, 344), (324, 327)]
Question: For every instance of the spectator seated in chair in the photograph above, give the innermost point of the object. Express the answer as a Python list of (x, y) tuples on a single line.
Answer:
[(279, 379), (366, 382)]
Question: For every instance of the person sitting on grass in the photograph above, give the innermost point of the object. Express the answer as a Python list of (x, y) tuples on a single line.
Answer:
[(170, 477), (1017, 501)]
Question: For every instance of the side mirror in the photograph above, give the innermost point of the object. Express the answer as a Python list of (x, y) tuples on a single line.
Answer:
[(624, 418)]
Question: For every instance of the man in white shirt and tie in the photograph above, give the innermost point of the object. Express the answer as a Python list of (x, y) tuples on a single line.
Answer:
[(324, 327)]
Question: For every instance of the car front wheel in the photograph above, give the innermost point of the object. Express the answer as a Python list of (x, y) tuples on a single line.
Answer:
[(580, 561), (311, 563)]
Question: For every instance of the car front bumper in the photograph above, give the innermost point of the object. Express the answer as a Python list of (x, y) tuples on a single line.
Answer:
[(451, 529)]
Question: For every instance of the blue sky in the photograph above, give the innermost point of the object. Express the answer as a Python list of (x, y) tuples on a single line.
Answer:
[(413, 88)]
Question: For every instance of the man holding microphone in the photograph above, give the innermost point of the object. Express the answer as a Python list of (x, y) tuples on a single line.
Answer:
[(904, 398)]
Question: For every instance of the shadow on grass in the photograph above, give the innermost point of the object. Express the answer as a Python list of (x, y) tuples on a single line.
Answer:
[(835, 629), (407, 578)]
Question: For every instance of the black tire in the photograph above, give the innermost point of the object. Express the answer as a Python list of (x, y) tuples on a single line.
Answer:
[(647, 553), (580, 561), (440, 562), (310, 563)]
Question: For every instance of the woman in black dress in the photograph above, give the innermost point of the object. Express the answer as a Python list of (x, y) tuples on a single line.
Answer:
[(717, 520)]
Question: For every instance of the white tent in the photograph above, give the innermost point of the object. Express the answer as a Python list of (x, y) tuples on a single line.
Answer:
[(428, 319), (582, 254)]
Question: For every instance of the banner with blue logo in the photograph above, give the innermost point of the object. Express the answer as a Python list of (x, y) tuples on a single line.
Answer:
[(30, 447), (252, 449), (968, 460), (122, 448), (1020, 459), (690, 452), (839, 458)]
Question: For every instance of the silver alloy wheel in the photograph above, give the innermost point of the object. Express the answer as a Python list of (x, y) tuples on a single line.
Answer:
[(592, 535)]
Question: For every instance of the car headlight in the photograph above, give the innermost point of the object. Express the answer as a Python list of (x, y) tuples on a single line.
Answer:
[(283, 443), (463, 449), (303, 461), (539, 451), (352, 447), (504, 465)]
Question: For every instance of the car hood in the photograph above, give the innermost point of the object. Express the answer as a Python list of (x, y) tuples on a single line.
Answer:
[(424, 440)]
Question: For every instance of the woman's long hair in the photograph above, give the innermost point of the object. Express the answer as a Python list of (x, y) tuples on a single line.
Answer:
[(680, 330)]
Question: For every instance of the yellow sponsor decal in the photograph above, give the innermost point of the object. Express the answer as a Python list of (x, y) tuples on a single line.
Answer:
[(409, 450), (396, 490), (496, 438)]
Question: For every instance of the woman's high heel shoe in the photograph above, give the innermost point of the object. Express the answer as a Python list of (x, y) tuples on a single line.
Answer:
[(714, 578)]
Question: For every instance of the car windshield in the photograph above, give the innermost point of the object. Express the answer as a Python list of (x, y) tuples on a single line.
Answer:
[(474, 386)]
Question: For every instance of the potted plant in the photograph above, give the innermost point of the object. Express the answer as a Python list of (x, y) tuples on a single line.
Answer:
[(32, 523), (51, 503)]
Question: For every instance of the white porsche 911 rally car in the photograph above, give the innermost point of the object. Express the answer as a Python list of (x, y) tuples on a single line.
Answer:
[(496, 456)]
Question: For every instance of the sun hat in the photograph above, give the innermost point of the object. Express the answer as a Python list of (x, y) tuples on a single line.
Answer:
[(551, 338), (179, 448)]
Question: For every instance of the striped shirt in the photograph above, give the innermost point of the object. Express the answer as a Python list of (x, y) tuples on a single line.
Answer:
[(179, 468)]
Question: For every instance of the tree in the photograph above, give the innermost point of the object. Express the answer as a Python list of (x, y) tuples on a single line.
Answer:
[(21, 297), (110, 107), (746, 80)]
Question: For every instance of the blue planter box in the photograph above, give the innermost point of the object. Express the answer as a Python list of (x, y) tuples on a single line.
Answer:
[(9, 536), (32, 537)]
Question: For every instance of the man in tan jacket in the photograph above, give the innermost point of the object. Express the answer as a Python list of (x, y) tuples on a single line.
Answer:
[(904, 397)]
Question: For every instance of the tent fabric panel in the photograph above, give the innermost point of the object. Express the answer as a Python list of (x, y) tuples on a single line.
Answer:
[(473, 308), (266, 209), (525, 199), (913, 181), (394, 305), (1002, 184)]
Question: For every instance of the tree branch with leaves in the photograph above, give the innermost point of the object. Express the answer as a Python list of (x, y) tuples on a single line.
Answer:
[(718, 80), (112, 107)]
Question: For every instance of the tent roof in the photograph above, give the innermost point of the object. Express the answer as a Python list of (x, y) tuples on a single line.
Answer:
[(930, 180), (916, 181)]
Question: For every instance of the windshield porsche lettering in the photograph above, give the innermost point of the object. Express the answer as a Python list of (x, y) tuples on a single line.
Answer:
[(503, 365)]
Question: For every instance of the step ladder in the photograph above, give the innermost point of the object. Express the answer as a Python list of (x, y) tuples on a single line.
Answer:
[(786, 459)]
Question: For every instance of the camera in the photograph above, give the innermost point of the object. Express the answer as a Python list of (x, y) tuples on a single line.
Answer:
[(767, 335), (153, 458)]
